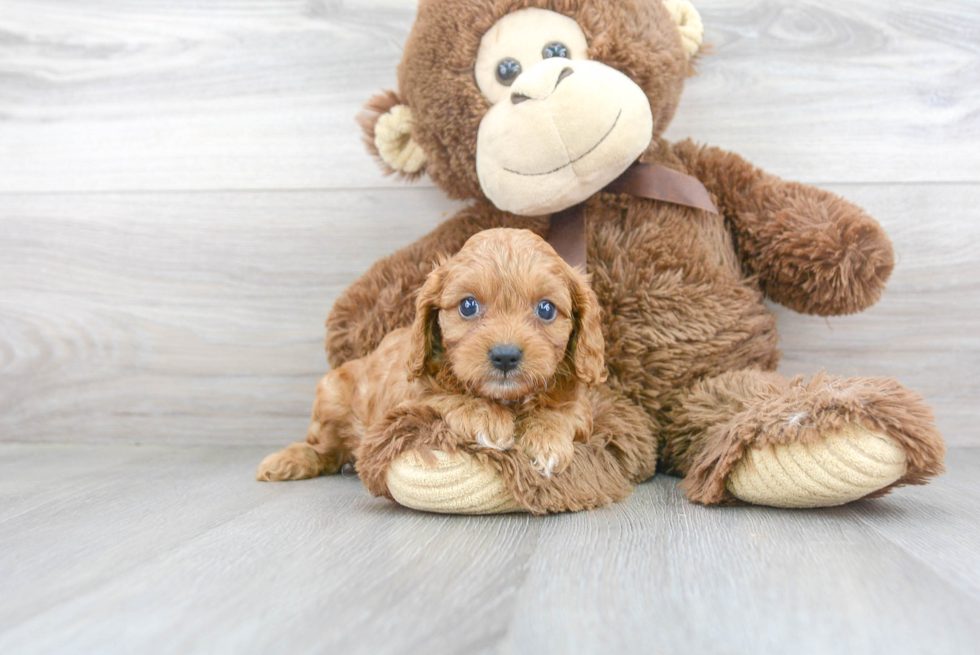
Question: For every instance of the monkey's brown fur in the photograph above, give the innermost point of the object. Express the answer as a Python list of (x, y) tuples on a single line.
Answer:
[(440, 365), (690, 346)]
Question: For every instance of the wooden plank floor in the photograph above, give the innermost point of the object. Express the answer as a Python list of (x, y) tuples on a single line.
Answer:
[(183, 193), (158, 549)]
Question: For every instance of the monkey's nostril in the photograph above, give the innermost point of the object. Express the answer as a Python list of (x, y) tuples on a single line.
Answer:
[(518, 98), (564, 73), (505, 357)]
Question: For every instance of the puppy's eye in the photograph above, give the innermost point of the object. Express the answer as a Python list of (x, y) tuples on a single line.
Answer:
[(546, 311), (507, 71), (555, 49), (469, 307)]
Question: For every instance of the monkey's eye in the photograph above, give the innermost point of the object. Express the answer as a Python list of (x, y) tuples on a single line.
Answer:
[(469, 307), (546, 311), (507, 71), (555, 49)]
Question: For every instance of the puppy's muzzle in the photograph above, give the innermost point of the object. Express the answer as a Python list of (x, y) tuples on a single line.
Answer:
[(505, 357)]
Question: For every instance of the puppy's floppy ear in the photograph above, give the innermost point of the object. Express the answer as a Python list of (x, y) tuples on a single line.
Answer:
[(387, 125), (586, 344), (426, 339)]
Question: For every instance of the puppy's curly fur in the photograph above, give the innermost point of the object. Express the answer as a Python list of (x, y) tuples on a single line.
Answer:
[(443, 363)]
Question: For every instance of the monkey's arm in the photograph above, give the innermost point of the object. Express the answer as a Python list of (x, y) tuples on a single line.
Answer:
[(811, 250), (383, 298)]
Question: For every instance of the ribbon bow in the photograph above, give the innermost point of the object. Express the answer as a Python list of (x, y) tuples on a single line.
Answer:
[(566, 232)]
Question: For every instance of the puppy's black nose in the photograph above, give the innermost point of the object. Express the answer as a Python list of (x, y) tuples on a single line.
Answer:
[(505, 357)]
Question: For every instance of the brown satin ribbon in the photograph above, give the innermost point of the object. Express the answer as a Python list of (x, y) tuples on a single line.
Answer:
[(566, 232)]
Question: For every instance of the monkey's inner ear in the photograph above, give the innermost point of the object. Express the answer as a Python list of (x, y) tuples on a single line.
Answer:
[(387, 125), (689, 23)]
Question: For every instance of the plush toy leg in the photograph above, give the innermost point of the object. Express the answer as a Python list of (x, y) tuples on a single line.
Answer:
[(419, 463), (760, 438), (845, 465)]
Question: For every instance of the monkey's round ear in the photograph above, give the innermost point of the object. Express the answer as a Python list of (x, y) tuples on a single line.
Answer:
[(689, 23), (387, 125)]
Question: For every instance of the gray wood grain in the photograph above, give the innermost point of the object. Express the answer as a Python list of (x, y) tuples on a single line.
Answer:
[(183, 193), (176, 550), (180, 317), (940, 528), (198, 318), (257, 95), (181, 551)]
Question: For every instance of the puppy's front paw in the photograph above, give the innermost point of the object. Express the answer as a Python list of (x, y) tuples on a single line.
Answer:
[(550, 452), (483, 423), (493, 431)]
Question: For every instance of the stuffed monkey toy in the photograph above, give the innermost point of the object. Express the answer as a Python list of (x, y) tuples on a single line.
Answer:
[(547, 115)]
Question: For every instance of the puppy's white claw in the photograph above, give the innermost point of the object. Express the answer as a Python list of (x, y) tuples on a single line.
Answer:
[(536, 463), (547, 466), (483, 438)]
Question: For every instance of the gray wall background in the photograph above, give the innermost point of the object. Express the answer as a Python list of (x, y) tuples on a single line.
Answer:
[(183, 193)]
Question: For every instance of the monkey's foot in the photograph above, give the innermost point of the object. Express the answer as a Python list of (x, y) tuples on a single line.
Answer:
[(843, 466)]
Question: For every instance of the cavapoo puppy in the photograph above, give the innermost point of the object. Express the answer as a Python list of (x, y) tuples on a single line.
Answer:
[(505, 342)]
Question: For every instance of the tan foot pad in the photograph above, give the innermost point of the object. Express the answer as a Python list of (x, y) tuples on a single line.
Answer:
[(455, 484), (844, 466)]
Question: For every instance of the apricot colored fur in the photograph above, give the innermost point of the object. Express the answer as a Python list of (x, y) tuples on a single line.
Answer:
[(439, 367)]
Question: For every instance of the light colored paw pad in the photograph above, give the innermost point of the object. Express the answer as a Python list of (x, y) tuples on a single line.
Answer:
[(842, 467), (455, 484)]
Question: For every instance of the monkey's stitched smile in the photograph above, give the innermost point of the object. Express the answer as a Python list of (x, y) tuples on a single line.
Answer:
[(577, 159)]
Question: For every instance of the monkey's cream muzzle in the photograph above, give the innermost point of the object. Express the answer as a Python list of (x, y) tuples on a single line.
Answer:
[(566, 130)]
